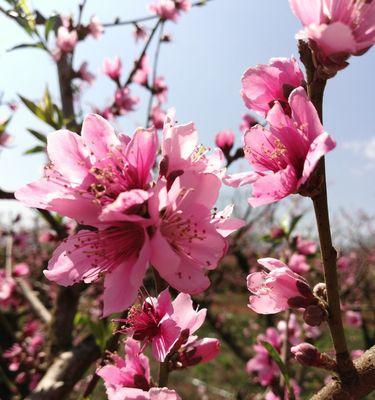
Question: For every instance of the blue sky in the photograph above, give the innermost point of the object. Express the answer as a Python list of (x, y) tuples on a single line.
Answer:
[(211, 48)]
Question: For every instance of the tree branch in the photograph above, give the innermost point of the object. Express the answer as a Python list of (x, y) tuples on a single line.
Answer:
[(365, 384)]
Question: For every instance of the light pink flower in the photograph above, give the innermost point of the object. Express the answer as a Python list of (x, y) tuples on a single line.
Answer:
[(272, 290), (161, 89), (88, 172), (66, 40), (95, 27), (21, 269), (7, 287), (185, 243), (305, 246), (129, 378), (336, 29), (125, 101), (112, 68), (266, 83), (353, 318), (285, 153), (5, 139), (85, 74), (169, 9), (225, 140), (297, 263)]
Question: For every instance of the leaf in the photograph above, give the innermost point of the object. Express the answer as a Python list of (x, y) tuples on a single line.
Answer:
[(294, 222), (283, 369), (36, 110), (50, 24), (40, 136), (38, 45), (35, 149), (4, 124)]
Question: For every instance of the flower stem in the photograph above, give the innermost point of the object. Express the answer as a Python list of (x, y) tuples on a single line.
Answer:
[(163, 374)]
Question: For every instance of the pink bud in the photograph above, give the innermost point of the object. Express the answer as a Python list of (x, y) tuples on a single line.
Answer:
[(112, 68), (306, 354), (225, 140)]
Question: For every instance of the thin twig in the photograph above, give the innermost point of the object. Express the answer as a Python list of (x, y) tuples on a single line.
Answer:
[(34, 301), (154, 73)]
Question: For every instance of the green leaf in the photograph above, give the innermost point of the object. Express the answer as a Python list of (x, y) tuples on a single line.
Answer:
[(36, 110), (38, 45), (294, 222), (50, 24), (35, 149), (4, 124), (40, 136), (283, 369)]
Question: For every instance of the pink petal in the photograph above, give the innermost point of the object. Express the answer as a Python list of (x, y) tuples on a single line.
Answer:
[(332, 39), (274, 187), (68, 155), (264, 304), (304, 114), (240, 178), (163, 257), (98, 135), (271, 263), (308, 12), (319, 147), (121, 285), (185, 315), (162, 344)]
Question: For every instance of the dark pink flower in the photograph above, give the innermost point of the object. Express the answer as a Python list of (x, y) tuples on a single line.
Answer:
[(305, 246), (353, 318), (85, 74), (297, 263), (125, 101)]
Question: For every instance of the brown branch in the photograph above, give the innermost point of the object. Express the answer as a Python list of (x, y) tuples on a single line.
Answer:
[(365, 384), (315, 89), (6, 195), (65, 371)]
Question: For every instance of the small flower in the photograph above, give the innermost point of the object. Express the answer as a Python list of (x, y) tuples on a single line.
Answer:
[(169, 9), (95, 27), (306, 354), (353, 318), (112, 68), (125, 101), (66, 40), (85, 74)]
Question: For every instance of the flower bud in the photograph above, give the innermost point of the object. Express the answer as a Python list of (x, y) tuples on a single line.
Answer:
[(225, 141), (314, 315), (306, 354)]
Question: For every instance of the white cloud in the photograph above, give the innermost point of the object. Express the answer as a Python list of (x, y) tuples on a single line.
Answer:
[(365, 148)]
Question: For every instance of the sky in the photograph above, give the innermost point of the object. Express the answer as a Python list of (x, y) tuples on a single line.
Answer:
[(212, 46)]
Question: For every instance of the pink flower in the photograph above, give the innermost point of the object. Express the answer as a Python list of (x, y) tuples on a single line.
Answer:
[(356, 354), (262, 364), (85, 74), (185, 243), (336, 29), (157, 116), (289, 148), (225, 140), (169, 9), (248, 121), (7, 287), (95, 27), (124, 101), (272, 291), (353, 318), (21, 269), (66, 40), (298, 264), (265, 84), (141, 75), (112, 68), (129, 378), (88, 172), (305, 246), (161, 89)]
